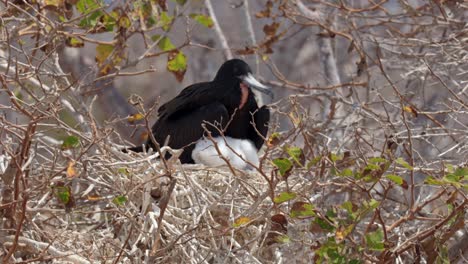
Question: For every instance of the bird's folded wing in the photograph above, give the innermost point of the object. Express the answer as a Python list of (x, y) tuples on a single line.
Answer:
[(187, 128), (191, 98)]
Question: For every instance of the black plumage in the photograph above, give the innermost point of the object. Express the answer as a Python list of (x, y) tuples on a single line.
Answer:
[(227, 101)]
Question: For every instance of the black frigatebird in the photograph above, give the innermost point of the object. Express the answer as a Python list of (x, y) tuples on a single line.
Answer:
[(225, 106)]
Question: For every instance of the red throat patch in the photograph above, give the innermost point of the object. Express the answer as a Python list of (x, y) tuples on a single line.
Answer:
[(244, 94)]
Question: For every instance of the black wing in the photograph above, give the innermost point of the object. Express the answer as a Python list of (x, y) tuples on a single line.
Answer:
[(187, 129), (191, 98)]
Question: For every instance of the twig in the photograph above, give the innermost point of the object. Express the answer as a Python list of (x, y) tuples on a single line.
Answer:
[(222, 38)]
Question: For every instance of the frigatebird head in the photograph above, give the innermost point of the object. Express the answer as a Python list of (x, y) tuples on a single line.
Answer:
[(237, 69)]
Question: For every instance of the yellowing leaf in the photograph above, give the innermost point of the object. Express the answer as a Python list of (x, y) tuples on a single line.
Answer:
[(144, 136), (54, 3), (177, 64), (241, 221), (294, 118), (125, 22), (74, 42), (71, 171), (135, 117), (94, 198), (411, 110), (273, 140), (103, 51), (340, 234)]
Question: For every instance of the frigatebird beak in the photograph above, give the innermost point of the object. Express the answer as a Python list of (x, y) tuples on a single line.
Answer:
[(250, 80)]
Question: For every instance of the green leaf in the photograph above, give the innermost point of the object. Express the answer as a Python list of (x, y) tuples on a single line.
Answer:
[(331, 213), (313, 162), (348, 206), (177, 64), (284, 165), (284, 197), (86, 6), (155, 38), (123, 171), (91, 20), (203, 20), (119, 200), (165, 21), (70, 142), (442, 255), (463, 172), (449, 168), (295, 153), (453, 178), (374, 240), (395, 178), (18, 95), (346, 173), (365, 209), (403, 163), (165, 44), (63, 194), (372, 204), (283, 239), (433, 181), (108, 21), (376, 160), (372, 167), (302, 210), (335, 157), (323, 224), (180, 2)]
